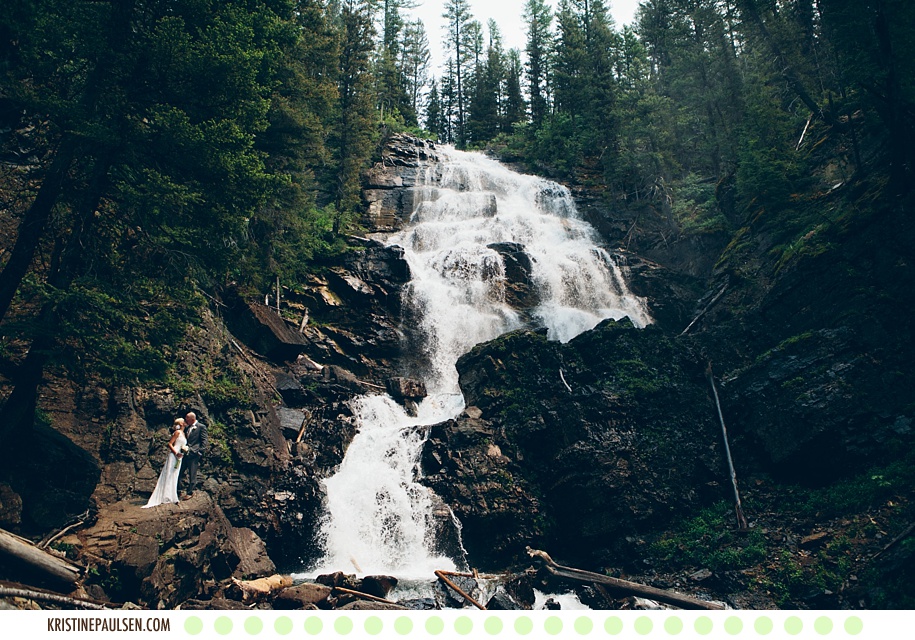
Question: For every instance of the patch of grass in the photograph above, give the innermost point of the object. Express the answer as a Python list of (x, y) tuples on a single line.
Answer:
[(220, 436), (710, 541), (695, 207), (857, 494)]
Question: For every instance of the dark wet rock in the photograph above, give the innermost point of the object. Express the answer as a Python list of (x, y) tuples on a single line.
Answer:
[(448, 598), (10, 507), (214, 604), (501, 601), (292, 391), (390, 186), (52, 482), (632, 447), (302, 595), (378, 586), (263, 329), (291, 421), (419, 604), (674, 299), (406, 388), (519, 285), (800, 406), (339, 579), (389, 210), (253, 561)]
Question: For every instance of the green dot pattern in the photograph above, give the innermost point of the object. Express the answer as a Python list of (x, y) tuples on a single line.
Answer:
[(314, 626), (655, 624), (704, 626), (343, 626), (733, 625), (283, 626), (643, 625), (374, 626), (524, 625), (823, 626), (553, 626), (583, 626), (223, 625), (463, 625), (253, 625), (493, 626), (403, 625), (613, 626), (434, 626), (673, 625), (193, 625), (793, 626), (854, 626)]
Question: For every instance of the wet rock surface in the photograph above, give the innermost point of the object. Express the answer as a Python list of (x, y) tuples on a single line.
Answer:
[(633, 446), (390, 186), (171, 553)]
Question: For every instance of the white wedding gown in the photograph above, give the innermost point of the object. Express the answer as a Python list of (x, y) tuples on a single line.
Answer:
[(166, 490)]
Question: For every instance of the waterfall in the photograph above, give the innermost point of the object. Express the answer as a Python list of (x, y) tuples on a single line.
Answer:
[(378, 518)]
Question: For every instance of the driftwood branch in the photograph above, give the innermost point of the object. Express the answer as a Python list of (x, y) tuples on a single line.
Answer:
[(262, 588), (30, 594), (476, 575), (366, 596), (441, 576), (902, 536), (42, 562), (738, 507), (706, 309), (52, 537), (621, 586)]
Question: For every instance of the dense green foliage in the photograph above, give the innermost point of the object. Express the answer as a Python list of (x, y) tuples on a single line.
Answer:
[(159, 149)]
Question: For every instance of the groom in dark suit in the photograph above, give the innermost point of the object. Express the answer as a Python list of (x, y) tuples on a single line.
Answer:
[(196, 433)]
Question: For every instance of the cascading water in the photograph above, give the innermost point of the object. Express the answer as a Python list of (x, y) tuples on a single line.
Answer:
[(378, 518)]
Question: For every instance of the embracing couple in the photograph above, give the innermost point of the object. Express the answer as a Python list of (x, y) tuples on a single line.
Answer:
[(186, 449)]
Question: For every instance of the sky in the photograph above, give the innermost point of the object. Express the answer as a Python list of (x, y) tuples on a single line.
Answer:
[(506, 13)]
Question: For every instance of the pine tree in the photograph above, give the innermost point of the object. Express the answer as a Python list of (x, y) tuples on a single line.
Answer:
[(434, 120), (484, 113), (458, 20), (354, 130), (538, 18), (415, 61), (513, 107)]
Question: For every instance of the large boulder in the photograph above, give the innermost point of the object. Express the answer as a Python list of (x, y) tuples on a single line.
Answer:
[(171, 553), (581, 446)]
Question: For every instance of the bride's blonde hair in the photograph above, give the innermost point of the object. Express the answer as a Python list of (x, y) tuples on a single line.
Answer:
[(179, 422)]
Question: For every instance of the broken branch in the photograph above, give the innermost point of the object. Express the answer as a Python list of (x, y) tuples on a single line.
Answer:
[(623, 586)]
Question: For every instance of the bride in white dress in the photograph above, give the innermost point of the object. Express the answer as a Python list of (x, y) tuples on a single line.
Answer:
[(166, 490)]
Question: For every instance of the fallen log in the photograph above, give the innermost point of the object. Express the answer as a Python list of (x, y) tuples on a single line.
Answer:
[(7, 592), (441, 576), (366, 596), (476, 575), (41, 562), (738, 507), (622, 586), (262, 588)]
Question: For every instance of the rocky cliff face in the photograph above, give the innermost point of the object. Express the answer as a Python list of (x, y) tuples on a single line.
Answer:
[(579, 447), (391, 185)]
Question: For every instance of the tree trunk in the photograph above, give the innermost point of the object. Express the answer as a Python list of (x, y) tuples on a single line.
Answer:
[(33, 224), (40, 562)]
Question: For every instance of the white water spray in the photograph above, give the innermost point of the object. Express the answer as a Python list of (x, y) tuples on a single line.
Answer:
[(378, 518)]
